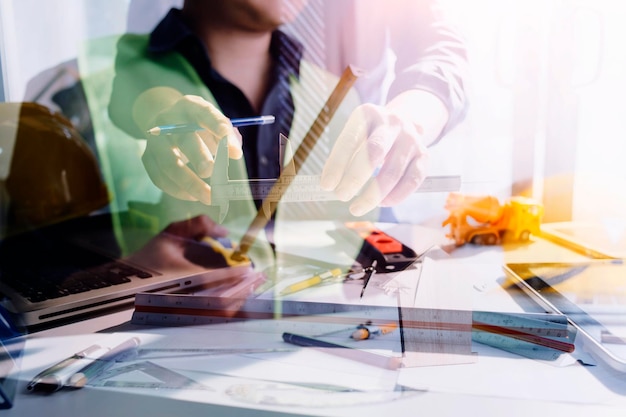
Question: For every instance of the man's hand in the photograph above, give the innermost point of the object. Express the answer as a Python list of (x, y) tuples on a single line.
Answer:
[(171, 250), (388, 143), (375, 143), (167, 249), (178, 163)]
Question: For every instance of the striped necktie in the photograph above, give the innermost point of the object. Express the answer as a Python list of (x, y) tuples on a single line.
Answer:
[(308, 29)]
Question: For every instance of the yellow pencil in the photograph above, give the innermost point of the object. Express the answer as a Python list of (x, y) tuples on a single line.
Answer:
[(311, 282)]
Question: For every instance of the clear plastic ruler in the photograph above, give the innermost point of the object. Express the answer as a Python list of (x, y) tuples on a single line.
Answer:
[(149, 375), (514, 331), (290, 187), (155, 377)]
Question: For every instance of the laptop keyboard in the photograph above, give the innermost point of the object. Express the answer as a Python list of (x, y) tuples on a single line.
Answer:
[(60, 269), (38, 285)]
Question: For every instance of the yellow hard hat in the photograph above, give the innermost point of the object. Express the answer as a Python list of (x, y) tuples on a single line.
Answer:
[(53, 175)]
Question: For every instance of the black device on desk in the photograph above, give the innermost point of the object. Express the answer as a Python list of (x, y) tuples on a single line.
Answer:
[(592, 294)]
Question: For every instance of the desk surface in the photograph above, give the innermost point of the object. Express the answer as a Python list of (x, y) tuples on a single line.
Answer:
[(496, 383)]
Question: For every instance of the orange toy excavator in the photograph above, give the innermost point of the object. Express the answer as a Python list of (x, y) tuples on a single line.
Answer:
[(483, 220)]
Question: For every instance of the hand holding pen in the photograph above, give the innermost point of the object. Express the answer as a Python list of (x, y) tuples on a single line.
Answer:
[(192, 127), (182, 141)]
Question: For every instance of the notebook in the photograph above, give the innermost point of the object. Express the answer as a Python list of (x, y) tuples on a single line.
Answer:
[(73, 269), (600, 239)]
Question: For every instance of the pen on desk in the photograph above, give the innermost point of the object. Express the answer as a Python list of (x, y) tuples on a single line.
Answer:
[(369, 358), (55, 377), (95, 368), (311, 282), (192, 127)]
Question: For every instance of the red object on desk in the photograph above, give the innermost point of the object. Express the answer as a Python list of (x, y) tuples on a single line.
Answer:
[(390, 254)]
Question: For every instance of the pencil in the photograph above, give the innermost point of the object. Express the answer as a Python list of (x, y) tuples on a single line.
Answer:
[(312, 281), (192, 127)]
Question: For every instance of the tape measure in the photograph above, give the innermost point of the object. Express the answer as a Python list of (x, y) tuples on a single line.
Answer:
[(516, 332), (289, 188)]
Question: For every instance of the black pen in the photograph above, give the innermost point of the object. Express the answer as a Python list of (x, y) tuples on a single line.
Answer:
[(55, 377), (369, 358), (95, 368)]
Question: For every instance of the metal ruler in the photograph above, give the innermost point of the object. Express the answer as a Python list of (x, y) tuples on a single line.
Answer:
[(289, 187), (515, 331)]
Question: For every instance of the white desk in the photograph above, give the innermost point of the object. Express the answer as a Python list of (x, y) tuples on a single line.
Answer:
[(496, 384)]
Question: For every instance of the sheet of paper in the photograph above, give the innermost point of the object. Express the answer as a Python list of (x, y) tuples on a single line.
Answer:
[(437, 316), (186, 350)]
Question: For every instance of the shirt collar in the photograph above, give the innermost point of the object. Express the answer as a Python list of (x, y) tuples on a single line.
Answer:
[(169, 33), (172, 31)]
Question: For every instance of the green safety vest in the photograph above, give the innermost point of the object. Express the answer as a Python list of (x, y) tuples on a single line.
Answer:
[(133, 193)]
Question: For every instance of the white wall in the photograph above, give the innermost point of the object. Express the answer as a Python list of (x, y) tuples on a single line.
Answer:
[(40, 34)]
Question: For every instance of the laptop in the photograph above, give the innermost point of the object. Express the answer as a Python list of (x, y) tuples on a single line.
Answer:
[(73, 269)]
